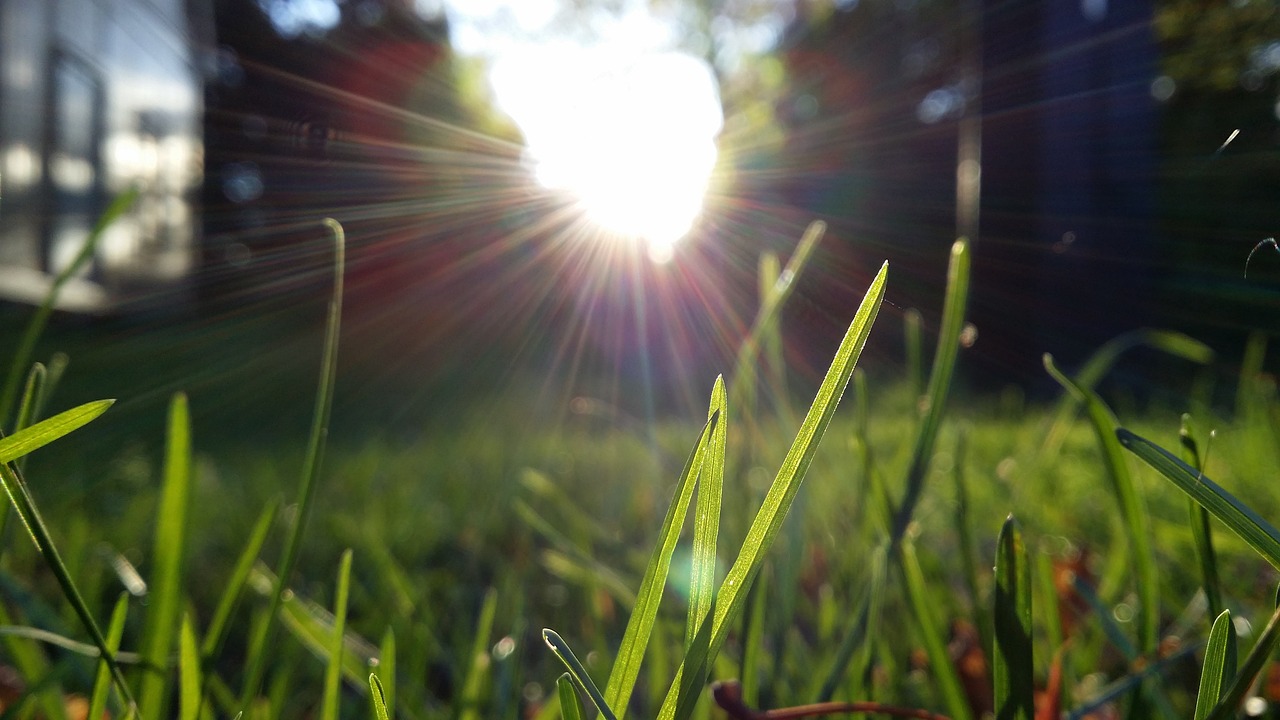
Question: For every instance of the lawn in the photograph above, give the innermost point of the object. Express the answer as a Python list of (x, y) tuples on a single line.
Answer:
[(872, 581)]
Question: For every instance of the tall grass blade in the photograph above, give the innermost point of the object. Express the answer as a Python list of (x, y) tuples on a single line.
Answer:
[(1237, 516), (333, 671), (378, 698), (924, 608), (167, 562), (579, 673), (771, 340), (32, 438), (102, 677), (706, 523), (570, 704), (1219, 665), (16, 488), (1012, 660), (478, 672), (912, 339), (189, 699), (256, 663), (626, 668), (27, 345), (1249, 670), (1134, 513), (231, 593), (26, 413), (944, 363), (1201, 530), (768, 521)]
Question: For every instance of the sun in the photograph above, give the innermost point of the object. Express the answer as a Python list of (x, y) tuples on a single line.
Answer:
[(625, 128)]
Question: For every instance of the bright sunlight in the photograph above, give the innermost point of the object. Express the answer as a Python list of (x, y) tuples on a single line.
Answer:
[(620, 122)]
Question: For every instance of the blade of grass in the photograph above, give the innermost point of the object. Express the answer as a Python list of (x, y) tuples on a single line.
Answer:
[(1134, 513), (387, 665), (860, 639), (257, 662), (27, 345), (1201, 530), (1219, 665), (1249, 669), (217, 630), (378, 699), (1237, 516), (478, 671), (167, 562), (944, 363), (102, 677), (924, 608), (1012, 666), (706, 517), (579, 673), (333, 670), (626, 668), (778, 499), (911, 336), (967, 547), (570, 704), (189, 699), (44, 432)]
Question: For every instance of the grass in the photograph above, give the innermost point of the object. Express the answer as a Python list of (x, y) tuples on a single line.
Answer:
[(837, 558)]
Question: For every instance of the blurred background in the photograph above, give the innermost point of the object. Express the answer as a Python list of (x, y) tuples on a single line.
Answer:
[(557, 199)]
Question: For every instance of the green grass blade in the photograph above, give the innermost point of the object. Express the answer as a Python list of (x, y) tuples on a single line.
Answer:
[(570, 704), (1249, 670), (1201, 530), (189, 699), (16, 489), (44, 432), (912, 339), (967, 548), (1132, 510), (387, 665), (706, 516), (1012, 660), (169, 546), (1219, 665), (27, 345), (333, 671), (781, 494), (30, 396), (579, 673), (626, 668), (478, 671), (1237, 516), (771, 342), (234, 589), (102, 678), (860, 640), (944, 363), (378, 698), (257, 662), (923, 606)]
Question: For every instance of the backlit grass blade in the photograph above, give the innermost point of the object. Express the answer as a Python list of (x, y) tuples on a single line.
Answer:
[(333, 670), (478, 670), (387, 666), (22, 356), (771, 342), (1237, 516), (706, 514), (1198, 517), (1249, 670), (16, 489), (579, 673), (768, 521), (102, 678), (570, 704), (1132, 510), (924, 607), (234, 588), (944, 363), (189, 699), (1012, 659), (165, 596), (44, 432), (626, 668), (1103, 359), (256, 664), (1219, 665), (378, 698)]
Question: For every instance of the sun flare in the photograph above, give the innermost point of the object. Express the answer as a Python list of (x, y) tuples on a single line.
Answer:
[(624, 127)]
